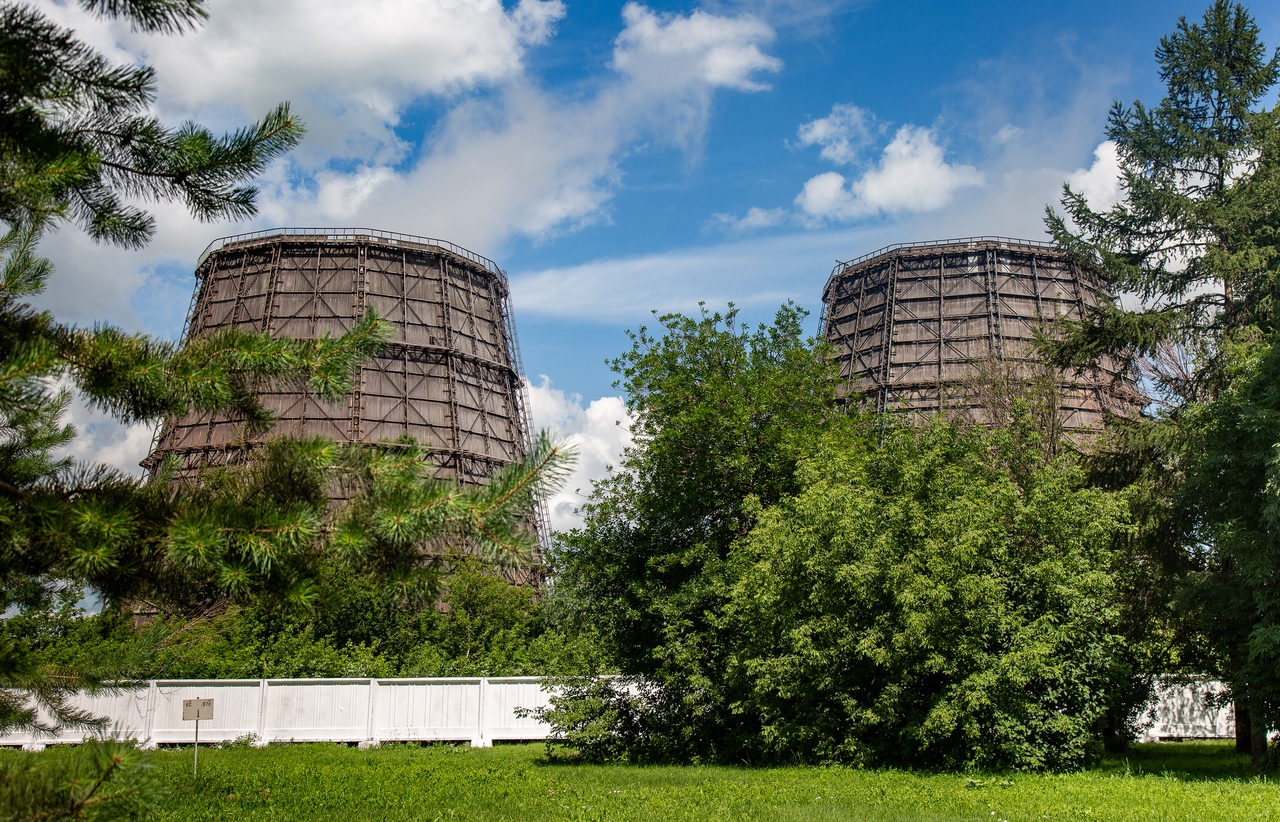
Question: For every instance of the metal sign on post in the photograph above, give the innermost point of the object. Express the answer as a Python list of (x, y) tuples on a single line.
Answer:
[(196, 709)]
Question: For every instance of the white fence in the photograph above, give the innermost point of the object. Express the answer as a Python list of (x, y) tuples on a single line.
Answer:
[(477, 710), (1190, 709)]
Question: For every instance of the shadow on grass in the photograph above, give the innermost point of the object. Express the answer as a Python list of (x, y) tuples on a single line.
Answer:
[(1200, 761), (1188, 761)]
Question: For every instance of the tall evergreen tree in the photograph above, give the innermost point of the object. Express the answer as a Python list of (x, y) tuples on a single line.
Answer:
[(1195, 244), (1192, 238)]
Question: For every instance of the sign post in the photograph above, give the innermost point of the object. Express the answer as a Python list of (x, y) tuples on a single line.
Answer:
[(196, 709)]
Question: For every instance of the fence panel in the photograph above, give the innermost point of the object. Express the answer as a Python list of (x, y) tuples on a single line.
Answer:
[(427, 709), (235, 710), (1191, 709), (316, 710), (503, 697), (475, 710)]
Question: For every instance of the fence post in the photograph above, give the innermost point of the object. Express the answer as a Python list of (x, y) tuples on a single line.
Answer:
[(481, 739), (149, 720), (373, 713), (261, 734)]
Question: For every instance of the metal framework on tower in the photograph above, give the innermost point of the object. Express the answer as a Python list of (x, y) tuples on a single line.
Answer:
[(915, 323), (450, 377)]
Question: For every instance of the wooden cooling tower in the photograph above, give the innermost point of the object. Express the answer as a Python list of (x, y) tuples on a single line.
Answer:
[(450, 377), (916, 325)]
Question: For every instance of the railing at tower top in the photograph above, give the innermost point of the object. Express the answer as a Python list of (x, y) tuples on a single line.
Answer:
[(842, 267), (348, 234)]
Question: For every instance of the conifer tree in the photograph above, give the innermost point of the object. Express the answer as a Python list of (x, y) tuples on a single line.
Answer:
[(77, 138), (78, 143), (1192, 239), (1194, 244)]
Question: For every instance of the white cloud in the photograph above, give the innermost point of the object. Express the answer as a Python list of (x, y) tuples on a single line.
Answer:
[(911, 176), (755, 218), (670, 65), (825, 196), (1100, 182), (340, 196), (599, 432), (842, 134), (757, 274), (523, 161), (100, 440), (518, 160), (1007, 134), (663, 51), (381, 53), (349, 69)]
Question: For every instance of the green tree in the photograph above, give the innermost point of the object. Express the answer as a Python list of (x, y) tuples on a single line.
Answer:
[(1194, 235), (1194, 241), (940, 596), (936, 597), (721, 414)]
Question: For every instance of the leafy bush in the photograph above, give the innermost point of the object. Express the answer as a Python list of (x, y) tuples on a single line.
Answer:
[(482, 626), (933, 600)]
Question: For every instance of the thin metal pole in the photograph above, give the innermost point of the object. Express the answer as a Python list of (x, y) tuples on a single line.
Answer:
[(195, 754)]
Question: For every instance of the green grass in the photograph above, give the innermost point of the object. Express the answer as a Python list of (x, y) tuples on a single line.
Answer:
[(1189, 781), (324, 782)]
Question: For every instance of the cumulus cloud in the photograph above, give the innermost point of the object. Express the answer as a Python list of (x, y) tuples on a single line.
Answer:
[(1100, 182), (522, 161), (598, 431), (341, 196), (502, 156), (516, 159), (912, 175), (842, 134), (348, 68), (666, 51)]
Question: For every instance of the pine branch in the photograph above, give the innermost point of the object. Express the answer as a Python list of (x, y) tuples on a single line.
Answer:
[(160, 16)]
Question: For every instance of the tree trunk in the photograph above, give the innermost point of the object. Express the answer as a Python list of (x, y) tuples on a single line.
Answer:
[(1258, 736), (1244, 728)]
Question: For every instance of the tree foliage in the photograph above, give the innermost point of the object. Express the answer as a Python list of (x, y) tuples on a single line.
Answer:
[(104, 780), (479, 625), (1194, 236), (941, 597), (78, 140), (1195, 243), (779, 580), (721, 413)]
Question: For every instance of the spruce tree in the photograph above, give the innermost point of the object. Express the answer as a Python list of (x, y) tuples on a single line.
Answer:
[(1194, 246)]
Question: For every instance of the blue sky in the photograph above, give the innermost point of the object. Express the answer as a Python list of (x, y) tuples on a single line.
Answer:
[(618, 158)]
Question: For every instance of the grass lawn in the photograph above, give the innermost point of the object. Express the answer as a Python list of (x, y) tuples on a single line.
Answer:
[(1189, 781)]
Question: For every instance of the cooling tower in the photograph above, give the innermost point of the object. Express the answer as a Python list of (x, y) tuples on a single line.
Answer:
[(918, 325), (450, 377)]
